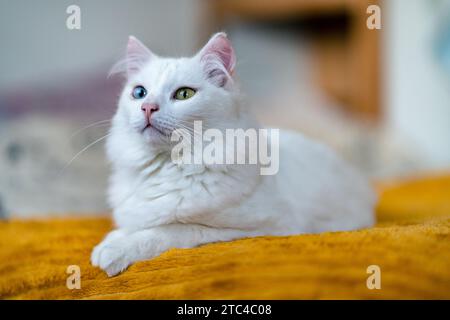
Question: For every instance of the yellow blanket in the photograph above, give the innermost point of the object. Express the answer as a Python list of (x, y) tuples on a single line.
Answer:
[(410, 244)]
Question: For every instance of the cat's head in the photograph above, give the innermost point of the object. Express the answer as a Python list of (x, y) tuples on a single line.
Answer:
[(164, 94)]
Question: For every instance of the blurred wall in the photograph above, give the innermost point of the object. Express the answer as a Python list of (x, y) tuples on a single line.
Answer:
[(416, 85), (36, 45)]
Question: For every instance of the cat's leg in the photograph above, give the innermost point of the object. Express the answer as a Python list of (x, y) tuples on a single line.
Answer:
[(122, 248)]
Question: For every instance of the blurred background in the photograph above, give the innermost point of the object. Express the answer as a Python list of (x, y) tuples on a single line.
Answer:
[(381, 98)]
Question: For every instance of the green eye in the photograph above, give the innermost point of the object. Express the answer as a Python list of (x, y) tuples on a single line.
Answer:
[(184, 93)]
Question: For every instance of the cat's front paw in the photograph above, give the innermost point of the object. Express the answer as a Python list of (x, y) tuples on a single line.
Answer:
[(112, 259), (111, 255)]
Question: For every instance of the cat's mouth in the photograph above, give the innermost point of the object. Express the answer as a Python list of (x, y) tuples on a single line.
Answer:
[(155, 128)]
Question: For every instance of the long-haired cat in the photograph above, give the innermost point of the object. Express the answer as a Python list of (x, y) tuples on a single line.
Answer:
[(159, 204)]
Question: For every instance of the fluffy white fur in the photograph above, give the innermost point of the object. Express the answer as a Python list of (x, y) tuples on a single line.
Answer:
[(158, 205)]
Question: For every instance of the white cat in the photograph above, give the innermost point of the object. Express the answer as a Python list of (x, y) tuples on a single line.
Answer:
[(158, 204)]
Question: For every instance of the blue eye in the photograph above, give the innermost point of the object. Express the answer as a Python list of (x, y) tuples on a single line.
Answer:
[(139, 92)]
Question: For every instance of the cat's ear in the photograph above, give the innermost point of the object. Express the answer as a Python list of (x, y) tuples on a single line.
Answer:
[(218, 59), (137, 55)]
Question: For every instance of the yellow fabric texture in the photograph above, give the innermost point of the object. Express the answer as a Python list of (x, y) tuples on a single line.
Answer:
[(410, 244)]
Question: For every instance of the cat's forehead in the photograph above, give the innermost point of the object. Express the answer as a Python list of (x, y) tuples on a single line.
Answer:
[(163, 70)]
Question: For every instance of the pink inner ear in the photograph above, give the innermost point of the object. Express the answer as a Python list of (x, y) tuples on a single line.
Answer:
[(135, 47), (220, 47), (137, 55)]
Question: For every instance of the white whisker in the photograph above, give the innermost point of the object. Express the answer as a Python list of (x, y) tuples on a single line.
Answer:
[(102, 122), (81, 151)]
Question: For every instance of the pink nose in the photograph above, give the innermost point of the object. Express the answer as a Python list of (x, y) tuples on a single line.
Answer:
[(149, 108)]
